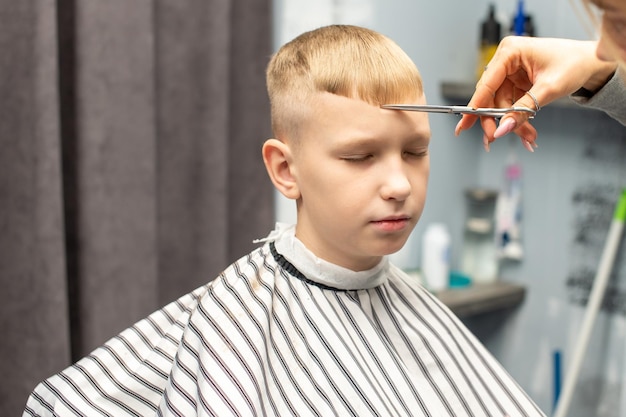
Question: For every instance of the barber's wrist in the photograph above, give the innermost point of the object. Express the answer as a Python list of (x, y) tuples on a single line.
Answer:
[(599, 79)]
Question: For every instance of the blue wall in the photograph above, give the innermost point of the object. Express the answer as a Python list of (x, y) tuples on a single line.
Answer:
[(569, 185)]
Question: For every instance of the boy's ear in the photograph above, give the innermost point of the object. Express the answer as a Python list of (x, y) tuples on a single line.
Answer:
[(279, 164)]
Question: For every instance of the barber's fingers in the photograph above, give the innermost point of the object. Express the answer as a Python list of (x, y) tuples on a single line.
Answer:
[(528, 135), (512, 121), (467, 121), (526, 132), (489, 126), (494, 89), (488, 87), (483, 97)]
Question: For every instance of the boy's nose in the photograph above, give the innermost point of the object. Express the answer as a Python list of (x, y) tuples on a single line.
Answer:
[(396, 185)]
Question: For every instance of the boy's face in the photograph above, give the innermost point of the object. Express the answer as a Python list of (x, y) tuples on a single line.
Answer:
[(362, 174)]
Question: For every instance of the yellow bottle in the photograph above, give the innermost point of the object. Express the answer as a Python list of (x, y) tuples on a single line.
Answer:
[(490, 35)]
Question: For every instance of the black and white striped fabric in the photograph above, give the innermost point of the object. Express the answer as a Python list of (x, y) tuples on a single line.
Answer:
[(267, 339)]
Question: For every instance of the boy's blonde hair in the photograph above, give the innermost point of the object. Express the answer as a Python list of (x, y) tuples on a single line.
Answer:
[(346, 60)]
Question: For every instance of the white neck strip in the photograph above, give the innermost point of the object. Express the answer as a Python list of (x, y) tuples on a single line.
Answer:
[(319, 270)]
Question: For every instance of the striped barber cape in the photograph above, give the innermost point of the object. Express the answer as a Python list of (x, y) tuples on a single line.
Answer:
[(280, 333)]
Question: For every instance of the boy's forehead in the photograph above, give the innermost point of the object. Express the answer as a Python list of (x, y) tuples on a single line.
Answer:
[(322, 98), (356, 113)]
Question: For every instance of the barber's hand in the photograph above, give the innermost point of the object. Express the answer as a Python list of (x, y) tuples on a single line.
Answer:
[(526, 67)]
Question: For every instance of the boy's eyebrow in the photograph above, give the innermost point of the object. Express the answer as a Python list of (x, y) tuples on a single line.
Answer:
[(358, 141), (420, 138)]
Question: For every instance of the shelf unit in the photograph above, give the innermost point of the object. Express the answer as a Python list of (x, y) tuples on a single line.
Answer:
[(482, 298)]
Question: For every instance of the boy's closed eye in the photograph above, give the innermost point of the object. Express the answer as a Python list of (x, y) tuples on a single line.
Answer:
[(364, 157), (416, 153), (357, 157)]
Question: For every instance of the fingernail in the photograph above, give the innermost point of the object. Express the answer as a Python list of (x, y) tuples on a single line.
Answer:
[(528, 146), (457, 129), (504, 128), (486, 143)]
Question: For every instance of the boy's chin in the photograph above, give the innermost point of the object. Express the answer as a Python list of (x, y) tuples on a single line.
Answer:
[(395, 248)]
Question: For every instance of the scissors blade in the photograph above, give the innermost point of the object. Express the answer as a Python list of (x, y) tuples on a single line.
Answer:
[(430, 108), (484, 111)]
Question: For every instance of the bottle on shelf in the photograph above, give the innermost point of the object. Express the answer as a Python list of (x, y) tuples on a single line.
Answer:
[(490, 36), (436, 257)]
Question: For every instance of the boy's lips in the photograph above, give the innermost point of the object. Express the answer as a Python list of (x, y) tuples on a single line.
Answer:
[(392, 224)]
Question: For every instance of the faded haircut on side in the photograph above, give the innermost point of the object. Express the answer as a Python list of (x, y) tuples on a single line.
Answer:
[(346, 60)]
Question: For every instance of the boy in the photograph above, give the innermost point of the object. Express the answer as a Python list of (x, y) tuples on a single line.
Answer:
[(316, 321)]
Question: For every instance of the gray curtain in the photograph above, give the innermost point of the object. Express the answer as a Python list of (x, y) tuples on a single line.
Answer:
[(130, 166)]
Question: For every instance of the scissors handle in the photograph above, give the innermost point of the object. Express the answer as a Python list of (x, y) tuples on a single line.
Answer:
[(499, 112)]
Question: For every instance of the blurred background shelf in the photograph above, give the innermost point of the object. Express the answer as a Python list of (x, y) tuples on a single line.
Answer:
[(482, 298)]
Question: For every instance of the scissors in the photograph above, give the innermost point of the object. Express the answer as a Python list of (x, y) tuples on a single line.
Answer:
[(480, 111)]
